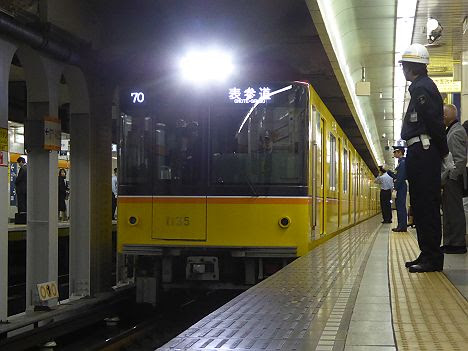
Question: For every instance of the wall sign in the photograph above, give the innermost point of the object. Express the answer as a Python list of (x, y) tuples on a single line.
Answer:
[(138, 97), (48, 290), (4, 139), (249, 95), (52, 133)]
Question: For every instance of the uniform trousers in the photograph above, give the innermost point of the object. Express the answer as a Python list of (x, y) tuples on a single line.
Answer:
[(21, 200), (385, 204), (423, 170), (454, 214), (402, 214)]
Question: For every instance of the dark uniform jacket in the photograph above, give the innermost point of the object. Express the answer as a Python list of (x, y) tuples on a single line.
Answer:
[(400, 181), (425, 114), (21, 180)]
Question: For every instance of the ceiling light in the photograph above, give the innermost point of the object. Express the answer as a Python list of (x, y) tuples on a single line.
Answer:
[(209, 65), (434, 30)]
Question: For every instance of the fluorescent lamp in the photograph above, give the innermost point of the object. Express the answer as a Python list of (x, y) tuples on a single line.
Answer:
[(204, 66), (329, 17), (406, 11)]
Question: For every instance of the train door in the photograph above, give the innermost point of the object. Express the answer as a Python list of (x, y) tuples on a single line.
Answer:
[(356, 191), (340, 184), (332, 187), (319, 170), (345, 201), (349, 182), (179, 196)]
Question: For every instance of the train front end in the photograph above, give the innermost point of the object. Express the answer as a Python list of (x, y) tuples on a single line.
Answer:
[(214, 184)]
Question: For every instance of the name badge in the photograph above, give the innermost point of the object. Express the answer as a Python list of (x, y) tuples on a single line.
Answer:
[(413, 117)]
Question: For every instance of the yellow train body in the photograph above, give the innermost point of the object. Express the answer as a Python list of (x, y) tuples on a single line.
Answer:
[(340, 193), (230, 221)]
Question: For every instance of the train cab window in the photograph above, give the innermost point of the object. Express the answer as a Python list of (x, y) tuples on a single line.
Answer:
[(261, 148), (178, 160), (136, 152), (345, 170), (332, 165)]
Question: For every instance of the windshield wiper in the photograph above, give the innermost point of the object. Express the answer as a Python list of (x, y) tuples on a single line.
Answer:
[(250, 184)]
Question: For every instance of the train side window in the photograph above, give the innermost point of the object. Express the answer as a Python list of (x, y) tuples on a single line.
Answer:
[(345, 170), (332, 170)]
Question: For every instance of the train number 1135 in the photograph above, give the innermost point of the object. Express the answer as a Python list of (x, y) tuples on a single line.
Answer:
[(177, 221)]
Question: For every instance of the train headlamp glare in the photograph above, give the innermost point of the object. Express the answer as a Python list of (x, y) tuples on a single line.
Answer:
[(206, 66)]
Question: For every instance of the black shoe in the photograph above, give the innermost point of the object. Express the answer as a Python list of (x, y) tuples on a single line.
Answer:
[(425, 267), (399, 230), (448, 249), (412, 263)]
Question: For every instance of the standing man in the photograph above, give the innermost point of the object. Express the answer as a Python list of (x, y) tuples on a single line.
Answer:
[(401, 189), (21, 185), (386, 185), (424, 132), (114, 193), (452, 182)]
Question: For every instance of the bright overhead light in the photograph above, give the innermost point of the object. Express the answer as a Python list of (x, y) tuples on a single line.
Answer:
[(329, 17), (204, 66), (406, 12), (431, 24)]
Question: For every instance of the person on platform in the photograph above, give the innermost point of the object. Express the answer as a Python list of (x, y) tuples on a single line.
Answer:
[(424, 132), (62, 194), (401, 189), (386, 185), (21, 185), (114, 192), (453, 180)]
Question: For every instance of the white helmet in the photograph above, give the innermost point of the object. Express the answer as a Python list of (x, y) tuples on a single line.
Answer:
[(415, 53)]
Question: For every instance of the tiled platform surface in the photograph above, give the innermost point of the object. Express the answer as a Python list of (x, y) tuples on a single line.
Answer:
[(337, 297), (429, 313)]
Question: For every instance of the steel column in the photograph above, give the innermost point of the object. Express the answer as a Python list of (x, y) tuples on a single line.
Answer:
[(42, 202), (80, 204), (6, 53)]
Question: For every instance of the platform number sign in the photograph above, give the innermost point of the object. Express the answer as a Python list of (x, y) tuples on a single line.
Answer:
[(48, 291), (138, 97)]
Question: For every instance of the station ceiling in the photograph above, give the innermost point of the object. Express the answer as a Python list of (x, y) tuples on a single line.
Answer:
[(289, 40), (142, 38)]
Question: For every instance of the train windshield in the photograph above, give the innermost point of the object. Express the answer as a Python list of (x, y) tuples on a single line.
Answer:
[(261, 143), (248, 140)]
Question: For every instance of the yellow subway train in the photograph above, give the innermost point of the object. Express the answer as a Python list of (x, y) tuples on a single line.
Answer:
[(223, 186)]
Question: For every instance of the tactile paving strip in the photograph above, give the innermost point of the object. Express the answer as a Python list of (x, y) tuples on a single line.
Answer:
[(305, 306), (428, 312)]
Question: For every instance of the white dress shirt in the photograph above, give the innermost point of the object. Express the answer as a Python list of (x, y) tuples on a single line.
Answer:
[(385, 181)]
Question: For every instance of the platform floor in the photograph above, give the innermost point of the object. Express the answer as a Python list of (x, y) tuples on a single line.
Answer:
[(351, 293)]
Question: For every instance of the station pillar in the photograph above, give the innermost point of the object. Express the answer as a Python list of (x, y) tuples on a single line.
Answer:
[(101, 190), (42, 182), (464, 77), (7, 50), (90, 189), (80, 205)]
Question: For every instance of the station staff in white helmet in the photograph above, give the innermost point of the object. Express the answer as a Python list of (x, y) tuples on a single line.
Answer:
[(424, 132)]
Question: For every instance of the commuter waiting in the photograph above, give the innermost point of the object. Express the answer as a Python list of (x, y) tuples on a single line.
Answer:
[(386, 185), (453, 180), (21, 185), (401, 189), (114, 193), (62, 194)]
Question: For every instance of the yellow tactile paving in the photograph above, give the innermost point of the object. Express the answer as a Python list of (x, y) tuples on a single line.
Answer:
[(428, 312)]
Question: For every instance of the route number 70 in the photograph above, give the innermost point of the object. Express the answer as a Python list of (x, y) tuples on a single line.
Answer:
[(138, 97)]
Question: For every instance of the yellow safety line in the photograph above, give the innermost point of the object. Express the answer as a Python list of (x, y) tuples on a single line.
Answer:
[(428, 312)]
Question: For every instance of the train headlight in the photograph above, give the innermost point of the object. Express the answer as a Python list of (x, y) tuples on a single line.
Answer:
[(284, 222), (205, 66), (132, 220)]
